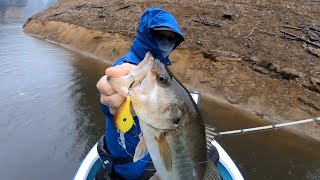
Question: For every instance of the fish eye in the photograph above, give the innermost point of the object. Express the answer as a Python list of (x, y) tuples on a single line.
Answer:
[(176, 121), (162, 79)]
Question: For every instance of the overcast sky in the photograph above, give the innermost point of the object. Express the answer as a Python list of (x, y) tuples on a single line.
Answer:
[(35, 6)]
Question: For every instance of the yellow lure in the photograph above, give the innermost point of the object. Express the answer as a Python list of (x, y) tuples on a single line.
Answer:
[(123, 119)]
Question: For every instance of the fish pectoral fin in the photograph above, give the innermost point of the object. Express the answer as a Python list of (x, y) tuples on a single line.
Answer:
[(165, 153), (141, 150), (210, 134), (211, 172)]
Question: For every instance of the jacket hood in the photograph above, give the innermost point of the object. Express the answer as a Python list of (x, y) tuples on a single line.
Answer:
[(144, 41)]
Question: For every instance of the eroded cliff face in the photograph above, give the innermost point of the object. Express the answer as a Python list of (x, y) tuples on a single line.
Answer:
[(246, 62)]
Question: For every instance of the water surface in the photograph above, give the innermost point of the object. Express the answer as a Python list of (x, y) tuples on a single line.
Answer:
[(50, 112), (274, 154)]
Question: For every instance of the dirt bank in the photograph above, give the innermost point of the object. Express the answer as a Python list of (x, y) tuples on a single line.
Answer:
[(245, 61)]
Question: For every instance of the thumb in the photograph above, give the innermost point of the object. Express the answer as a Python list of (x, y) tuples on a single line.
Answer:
[(120, 70)]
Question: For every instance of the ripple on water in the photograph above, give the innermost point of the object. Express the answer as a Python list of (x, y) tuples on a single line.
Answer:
[(40, 96)]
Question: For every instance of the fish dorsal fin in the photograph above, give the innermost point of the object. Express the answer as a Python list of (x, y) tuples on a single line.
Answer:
[(141, 150), (211, 172), (210, 134), (165, 153)]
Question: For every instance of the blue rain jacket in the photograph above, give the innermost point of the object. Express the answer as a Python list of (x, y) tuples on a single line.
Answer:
[(144, 42)]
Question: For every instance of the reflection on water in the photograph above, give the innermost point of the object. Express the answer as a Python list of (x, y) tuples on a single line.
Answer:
[(50, 112), (89, 120), (50, 118), (265, 155)]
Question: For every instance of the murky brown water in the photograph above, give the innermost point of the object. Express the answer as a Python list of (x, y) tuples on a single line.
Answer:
[(274, 154), (50, 117), (49, 107)]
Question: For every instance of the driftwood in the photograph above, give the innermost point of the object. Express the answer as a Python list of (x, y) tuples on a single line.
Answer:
[(312, 50), (292, 27), (57, 14), (88, 6), (296, 37), (306, 27), (80, 6), (207, 23), (262, 31), (125, 7), (96, 6), (314, 27), (314, 36)]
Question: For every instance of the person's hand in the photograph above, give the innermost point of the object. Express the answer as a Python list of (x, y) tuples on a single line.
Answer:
[(108, 95)]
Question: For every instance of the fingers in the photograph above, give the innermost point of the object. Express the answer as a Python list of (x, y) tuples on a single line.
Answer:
[(120, 70), (108, 95), (112, 110), (104, 87), (112, 101)]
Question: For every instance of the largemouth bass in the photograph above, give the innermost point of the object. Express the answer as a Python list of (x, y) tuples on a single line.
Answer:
[(172, 131)]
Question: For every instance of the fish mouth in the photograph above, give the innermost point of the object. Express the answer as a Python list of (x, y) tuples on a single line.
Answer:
[(124, 84), (138, 84)]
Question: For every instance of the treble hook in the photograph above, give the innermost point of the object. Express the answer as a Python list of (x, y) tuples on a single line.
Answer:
[(129, 88)]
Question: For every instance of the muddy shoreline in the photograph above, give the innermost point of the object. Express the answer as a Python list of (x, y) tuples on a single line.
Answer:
[(278, 87)]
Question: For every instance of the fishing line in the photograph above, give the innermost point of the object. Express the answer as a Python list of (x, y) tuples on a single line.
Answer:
[(129, 88), (201, 162), (265, 128), (139, 159)]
